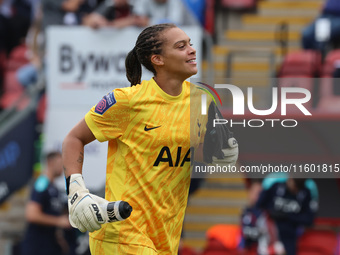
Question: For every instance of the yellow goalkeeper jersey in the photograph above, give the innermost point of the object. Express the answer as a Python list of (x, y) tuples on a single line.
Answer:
[(148, 162)]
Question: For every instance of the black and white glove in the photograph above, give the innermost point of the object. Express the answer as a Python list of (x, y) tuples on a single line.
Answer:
[(88, 212), (229, 155), (220, 146)]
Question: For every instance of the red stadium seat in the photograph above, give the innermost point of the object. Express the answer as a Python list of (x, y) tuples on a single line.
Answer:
[(299, 69), (317, 242), (187, 251), (17, 58), (215, 247), (309, 253), (328, 67), (304, 63), (12, 91), (223, 239), (329, 102), (239, 4)]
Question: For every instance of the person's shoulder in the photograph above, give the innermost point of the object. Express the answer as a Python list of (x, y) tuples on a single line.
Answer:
[(191, 85), (313, 188), (274, 179), (41, 184), (195, 89), (127, 91)]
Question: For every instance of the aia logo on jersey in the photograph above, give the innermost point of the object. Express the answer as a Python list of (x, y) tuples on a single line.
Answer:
[(176, 160), (105, 103)]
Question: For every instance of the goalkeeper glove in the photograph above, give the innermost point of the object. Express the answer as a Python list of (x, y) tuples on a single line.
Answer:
[(220, 146), (230, 154), (87, 211)]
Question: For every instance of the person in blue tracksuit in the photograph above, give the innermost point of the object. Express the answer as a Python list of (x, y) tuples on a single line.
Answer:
[(292, 204), (44, 213)]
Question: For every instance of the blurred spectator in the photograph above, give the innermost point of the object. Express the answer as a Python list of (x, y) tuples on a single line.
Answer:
[(114, 13), (52, 12), (65, 12), (249, 217), (142, 13), (329, 32), (259, 233), (289, 202), (28, 74), (150, 12), (44, 213), (15, 19)]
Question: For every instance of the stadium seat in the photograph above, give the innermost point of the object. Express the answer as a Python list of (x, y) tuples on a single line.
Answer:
[(299, 69), (239, 4), (187, 251), (17, 58), (12, 90), (223, 239), (303, 63), (328, 67), (329, 101), (215, 247), (317, 242)]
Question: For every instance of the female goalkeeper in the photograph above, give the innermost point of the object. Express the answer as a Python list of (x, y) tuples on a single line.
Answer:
[(147, 127)]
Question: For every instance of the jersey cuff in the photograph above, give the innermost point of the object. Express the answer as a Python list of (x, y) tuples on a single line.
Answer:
[(94, 129)]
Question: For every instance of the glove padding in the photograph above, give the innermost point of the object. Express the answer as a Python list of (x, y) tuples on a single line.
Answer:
[(88, 212), (220, 146), (230, 154)]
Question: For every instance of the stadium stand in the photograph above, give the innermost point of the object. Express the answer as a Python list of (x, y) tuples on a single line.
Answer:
[(253, 32), (257, 32)]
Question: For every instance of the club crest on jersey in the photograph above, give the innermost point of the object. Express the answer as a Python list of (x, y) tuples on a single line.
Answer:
[(105, 103)]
